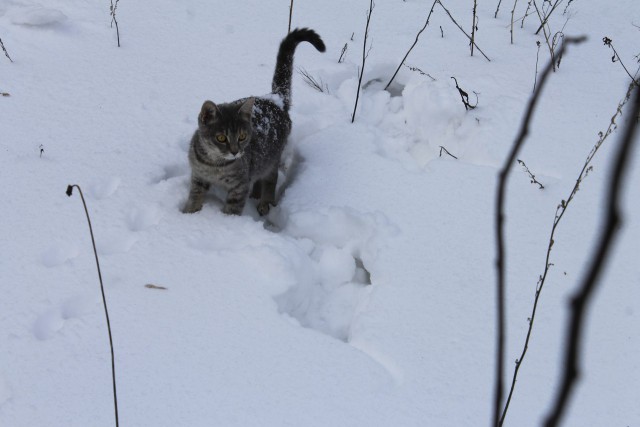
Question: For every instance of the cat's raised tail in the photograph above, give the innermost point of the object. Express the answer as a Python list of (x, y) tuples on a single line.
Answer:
[(284, 65)]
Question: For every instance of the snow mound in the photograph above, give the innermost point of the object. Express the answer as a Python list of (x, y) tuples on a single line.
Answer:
[(333, 281), (37, 16)]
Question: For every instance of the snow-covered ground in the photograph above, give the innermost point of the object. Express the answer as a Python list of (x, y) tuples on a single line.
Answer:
[(367, 296)]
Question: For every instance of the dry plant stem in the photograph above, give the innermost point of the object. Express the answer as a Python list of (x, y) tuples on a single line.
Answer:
[(473, 27), (560, 211), (497, 9), (104, 299), (535, 79), (512, 12), (113, 19), (608, 42), (413, 45), (5, 51), (463, 31), (499, 226), (290, 16), (364, 58), (547, 15), (546, 36), (526, 13), (446, 151), (581, 299)]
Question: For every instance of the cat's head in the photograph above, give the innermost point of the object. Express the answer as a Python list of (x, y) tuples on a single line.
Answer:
[(226, 127)]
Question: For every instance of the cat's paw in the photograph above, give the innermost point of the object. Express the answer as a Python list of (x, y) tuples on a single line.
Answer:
[(263, 208), (190, 208), (232, 210)]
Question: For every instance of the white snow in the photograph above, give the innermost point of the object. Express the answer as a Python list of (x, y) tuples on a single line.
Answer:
[(367, 296)]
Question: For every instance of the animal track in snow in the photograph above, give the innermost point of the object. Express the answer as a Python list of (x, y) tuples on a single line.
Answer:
[(59, 254), (172, 171), (53, 320), (115, 244), (101, 189), (333, 282), (140, 219)]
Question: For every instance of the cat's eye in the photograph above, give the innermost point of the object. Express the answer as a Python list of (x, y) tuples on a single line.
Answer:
[(221, 138), (242, 136)]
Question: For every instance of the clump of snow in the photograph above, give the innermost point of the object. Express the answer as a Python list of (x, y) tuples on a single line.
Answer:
[(37, 16)]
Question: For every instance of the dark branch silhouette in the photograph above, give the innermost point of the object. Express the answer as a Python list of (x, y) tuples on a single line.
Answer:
[(560, 211), (499, 224), (579, 302)]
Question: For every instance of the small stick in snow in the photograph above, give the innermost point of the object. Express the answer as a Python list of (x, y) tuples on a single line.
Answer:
[(535, 79), (446, 151), (463, 31), (365, 53), (465, 97), (344, 50), (474, 26), (413, 45), (532, 177), (616, 58), (113, 8), (152, 286), (5, 54), (104, 299)]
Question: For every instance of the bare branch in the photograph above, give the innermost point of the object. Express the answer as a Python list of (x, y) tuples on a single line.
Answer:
[(499, 225)]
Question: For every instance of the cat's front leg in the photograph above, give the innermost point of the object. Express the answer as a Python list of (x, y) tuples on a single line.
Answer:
[(197, 192), (268, 192), (236, 198)]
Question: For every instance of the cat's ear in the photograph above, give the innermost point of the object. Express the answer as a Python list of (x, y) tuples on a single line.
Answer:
[(208, 112), (246, 108)]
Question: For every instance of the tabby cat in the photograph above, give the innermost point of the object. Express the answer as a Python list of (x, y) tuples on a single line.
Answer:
[(238, 145)]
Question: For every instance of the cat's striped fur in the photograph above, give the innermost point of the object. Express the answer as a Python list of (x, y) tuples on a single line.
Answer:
[(238, 145)]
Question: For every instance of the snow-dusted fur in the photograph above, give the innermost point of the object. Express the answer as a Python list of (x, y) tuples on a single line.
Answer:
[(239, 144)]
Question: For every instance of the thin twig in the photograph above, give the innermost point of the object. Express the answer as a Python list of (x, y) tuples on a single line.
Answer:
[(320, 86), (364, 57), (608, 42), (582, 297), (532, 177), (290, 15), (5, 51), (413, 45), (461, 29), (526, 13), (535, 79), (104, 299), (512, 12), (560, 211), (474, 26), (465, 97), (499, 225), (419, 71), (546, 36), (446, 151), (495, 15), (547, 15), (344, 50), (113, 19)]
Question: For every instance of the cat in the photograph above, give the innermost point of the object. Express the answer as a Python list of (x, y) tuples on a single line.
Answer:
[(238, 145)]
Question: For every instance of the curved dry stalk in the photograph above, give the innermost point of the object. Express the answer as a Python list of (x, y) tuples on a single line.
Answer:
[(499, 224)]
